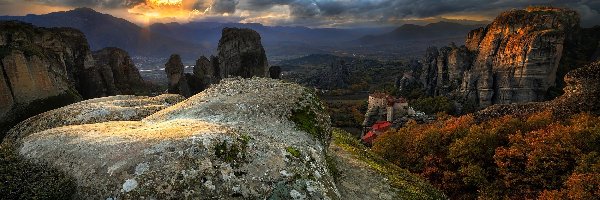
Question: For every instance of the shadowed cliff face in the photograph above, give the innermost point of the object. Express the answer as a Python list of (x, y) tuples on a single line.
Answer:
[(41, 69), (517, 58), (241, 54), (581, 94), (119, 74), (46, 68)]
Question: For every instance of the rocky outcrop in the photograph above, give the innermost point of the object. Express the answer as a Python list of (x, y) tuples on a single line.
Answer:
[(174, 70), (406, 84), (443, 69), (205, 71), (178, 81), (275, 72), (241, 53), (519, 57), (334, 76), (119, 74), (214, 145), (46, 68), (581, 94), (113, 108), (41, 69), (187, 84)]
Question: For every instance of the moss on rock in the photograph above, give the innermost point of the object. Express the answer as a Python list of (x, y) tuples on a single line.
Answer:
[(408, 185), (21, 179)]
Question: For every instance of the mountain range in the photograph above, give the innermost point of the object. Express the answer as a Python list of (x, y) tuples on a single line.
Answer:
[(406, 32), (281, 42)]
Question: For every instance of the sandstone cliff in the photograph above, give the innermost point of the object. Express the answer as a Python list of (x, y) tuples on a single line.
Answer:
[(581, 94), (45, 68), (186, 84), (119, 74), (41, 69), (520, 57), (241, 53)]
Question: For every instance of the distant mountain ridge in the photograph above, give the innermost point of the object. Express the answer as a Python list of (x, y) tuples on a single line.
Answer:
[(407, 32), (193, 39), (104, 30)]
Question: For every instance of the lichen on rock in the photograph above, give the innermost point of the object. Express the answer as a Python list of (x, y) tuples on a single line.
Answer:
[(228, 142)]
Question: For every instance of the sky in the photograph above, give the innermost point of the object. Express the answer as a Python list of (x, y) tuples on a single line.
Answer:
[(311, 13)]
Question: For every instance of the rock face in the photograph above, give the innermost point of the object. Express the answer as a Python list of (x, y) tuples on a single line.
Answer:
[(581, 95), (214, 145), (113, 108), (46, 68), (174, 70), (119, 74), (241, 53), (517, 58), (187, 84), (336, 75), (406, 84), (178, 81), (275, 72), (42, 69), (205, 71), (443, 69)]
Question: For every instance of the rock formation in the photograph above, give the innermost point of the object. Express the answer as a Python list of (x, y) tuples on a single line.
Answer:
[(241, 53), (178, 83), (41, 69), (205, 71), (406, 84), (517, 58), (581, 94), (443, 69), (119, 74), (211, 146), (113, 108), (46, 68), (334, 76), (187, 84), (275, 72)]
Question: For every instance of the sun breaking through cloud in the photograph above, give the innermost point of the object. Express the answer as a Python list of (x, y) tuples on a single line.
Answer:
[(313, 13)]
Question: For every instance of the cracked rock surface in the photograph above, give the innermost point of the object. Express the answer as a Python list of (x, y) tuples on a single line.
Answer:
[(241, 139)]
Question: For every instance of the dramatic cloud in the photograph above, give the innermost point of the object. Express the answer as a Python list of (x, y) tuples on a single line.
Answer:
[(224, 6), (319, 12), (92, 3)]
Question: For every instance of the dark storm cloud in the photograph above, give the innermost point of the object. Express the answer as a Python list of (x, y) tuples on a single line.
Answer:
[(224, 6), (380, 11), (396, 9)]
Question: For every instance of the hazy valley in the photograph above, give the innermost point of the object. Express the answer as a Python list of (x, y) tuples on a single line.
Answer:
[(96, 107)]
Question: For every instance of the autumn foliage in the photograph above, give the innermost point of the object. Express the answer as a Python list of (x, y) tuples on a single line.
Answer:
[(537, 157)]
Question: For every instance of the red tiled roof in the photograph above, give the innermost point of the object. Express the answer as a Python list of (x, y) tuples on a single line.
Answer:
[(369, 137), (381, 125)]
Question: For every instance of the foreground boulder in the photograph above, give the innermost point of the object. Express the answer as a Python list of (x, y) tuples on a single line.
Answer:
[(114, 108), (241, 139)]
